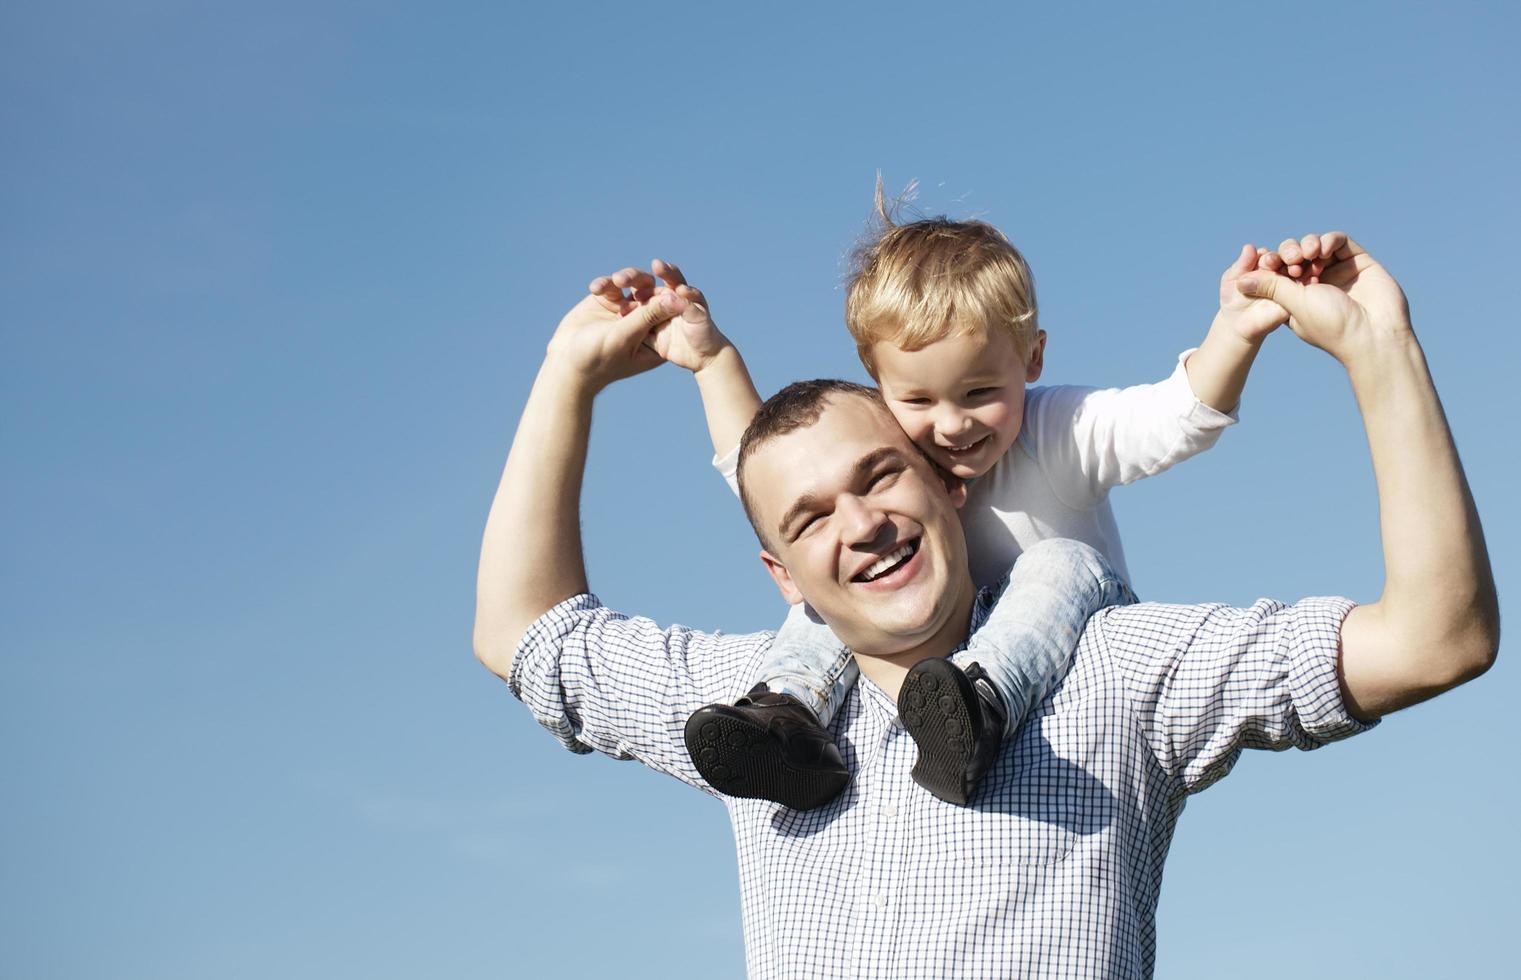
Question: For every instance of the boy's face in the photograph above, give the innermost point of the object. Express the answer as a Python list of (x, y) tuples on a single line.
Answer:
[(961, 399)]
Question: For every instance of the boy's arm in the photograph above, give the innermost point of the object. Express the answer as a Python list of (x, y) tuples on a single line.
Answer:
[(1217, 370), (692, 341)]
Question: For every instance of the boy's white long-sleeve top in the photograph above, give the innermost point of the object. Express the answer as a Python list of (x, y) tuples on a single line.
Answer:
[(1075, 445)]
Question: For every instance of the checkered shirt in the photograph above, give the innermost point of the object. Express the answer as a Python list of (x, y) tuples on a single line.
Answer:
[(1055, 868)]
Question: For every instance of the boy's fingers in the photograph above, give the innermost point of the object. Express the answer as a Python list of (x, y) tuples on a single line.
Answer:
[(1289, 249), (1246, 261), (1309, 247), (1270, 262)]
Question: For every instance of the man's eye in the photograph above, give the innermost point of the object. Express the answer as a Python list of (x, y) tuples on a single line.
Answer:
[(884, 478), (808, 525)]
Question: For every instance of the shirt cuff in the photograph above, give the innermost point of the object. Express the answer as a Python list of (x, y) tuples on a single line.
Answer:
[(1314, 645), (1195, 412), (541, 641), (727, 466)]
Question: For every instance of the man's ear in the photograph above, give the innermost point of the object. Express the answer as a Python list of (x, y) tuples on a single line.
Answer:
[(1037, 358), (781, 577)]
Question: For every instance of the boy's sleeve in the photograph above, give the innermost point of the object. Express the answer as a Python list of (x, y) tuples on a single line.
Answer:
[(623, 686), (727, 466), (1206, 682), (1090, 440)]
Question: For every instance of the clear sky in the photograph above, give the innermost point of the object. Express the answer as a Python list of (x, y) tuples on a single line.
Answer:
[(275, 279)]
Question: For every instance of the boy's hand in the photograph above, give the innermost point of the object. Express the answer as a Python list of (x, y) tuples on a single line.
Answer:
[(1354, 304), (1249, 318), (690, 340)]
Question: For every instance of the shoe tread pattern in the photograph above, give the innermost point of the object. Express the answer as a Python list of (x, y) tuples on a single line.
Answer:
[(738, 758), (934, 707)]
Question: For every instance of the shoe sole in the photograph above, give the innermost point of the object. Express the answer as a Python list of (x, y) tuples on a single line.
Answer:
[(933, 707), (738, 758)]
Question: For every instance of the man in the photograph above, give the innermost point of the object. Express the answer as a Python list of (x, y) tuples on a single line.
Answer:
[(1056, 868)]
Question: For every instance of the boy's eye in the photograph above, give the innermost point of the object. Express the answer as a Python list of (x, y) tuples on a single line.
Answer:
[(982, 392), (916, 402)]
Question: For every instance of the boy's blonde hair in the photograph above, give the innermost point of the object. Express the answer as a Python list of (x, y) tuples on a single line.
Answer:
[(921, 282)]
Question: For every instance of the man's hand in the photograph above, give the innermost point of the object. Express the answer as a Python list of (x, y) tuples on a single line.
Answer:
[(691, 340), (1346, 306), (599, 345)]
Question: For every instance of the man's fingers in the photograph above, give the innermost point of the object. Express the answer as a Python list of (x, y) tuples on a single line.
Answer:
[(641, 321), (668, 272), (1348, 269), (609, 295), (1270, 262), (1289, 249), (1280, 289), (692, 295), (1309, 248)]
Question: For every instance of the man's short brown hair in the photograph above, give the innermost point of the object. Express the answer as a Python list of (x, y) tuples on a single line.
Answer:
[(917, 283), (796, 406)]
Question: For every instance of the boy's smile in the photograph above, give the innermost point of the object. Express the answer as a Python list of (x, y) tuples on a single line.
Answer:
[(961, 399)]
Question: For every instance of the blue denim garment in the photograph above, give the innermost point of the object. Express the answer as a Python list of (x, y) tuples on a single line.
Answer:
[(1025, 645)]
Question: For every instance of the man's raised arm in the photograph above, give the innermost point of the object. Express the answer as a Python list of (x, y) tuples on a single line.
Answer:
[(1437, 623), (531, 552)]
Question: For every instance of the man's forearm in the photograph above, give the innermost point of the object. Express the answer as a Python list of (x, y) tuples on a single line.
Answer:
[(729, 398), (1437, 622), (531, 551)]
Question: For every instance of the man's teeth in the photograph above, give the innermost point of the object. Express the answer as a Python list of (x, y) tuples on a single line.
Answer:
[(885, 562)]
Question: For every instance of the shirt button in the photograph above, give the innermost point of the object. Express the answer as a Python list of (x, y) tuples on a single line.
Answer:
[(889, 811), (880, 901)]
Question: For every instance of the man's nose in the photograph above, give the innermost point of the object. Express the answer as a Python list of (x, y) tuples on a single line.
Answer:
[(860, 519)]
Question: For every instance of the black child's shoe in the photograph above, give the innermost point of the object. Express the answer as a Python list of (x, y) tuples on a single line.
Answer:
[(766, 746), (957, 719)]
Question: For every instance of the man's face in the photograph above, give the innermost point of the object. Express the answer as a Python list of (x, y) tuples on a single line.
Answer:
[(961, 399), (862, 528)]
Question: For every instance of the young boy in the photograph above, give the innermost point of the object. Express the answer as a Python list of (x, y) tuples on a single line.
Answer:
[(945, 320)]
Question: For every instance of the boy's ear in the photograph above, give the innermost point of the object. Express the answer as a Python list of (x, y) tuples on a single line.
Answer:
[(781, 577), (1037, 358)]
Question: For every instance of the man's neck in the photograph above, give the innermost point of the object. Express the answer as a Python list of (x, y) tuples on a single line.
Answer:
[(887, 671)]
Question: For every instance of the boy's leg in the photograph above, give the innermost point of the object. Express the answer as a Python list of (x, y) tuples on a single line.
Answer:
[(810, 663), (1030, 635), (959, 710), (772, 744)]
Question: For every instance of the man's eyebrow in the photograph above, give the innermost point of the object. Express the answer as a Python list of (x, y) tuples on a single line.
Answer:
[(862, 466)]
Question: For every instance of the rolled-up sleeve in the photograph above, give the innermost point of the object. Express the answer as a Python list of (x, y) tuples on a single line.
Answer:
[(1208, 681), (624, 686)]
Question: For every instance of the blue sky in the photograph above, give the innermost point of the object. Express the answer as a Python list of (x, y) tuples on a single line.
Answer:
[(276, 280)]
